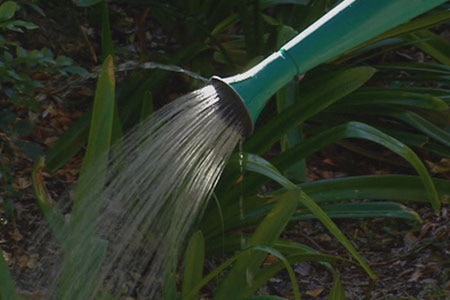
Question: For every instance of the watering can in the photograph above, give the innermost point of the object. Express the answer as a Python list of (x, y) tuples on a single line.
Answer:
[(349, 24)]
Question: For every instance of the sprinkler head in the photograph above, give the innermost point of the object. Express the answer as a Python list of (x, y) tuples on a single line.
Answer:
[(231, 99)]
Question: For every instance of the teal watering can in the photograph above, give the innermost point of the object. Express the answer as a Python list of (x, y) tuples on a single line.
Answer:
[(349, 24)]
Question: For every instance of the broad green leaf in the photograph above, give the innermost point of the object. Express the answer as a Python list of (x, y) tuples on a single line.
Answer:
[(7, 10), (194, 259), (7, 287), (322, 94)]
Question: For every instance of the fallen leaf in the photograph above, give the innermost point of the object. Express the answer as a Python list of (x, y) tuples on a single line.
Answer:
[(415, 276), (315, 293), (16, 235), (22, 183)]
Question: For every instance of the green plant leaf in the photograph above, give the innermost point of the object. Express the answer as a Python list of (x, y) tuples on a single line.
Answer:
[(389, 187), (423, 22), (100, 131), (361, 131), (321, 94), (239, 281), (51, 213), (69, 143), (425, 126), (7, 287), (392, 97), (266, 169), (87, 3), (107, 42), (265, 297), (433, 44), (7, 10), (337, 290), (364, 210), (193, 264)]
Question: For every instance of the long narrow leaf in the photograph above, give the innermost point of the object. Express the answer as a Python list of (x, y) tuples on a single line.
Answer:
[(362, 131), (388, 187), (364, 210), (393, 96), (193, 264), (323, 94), (100, 130), (432, 44), (239, 280), (7, 287), (425, 126), (51, 213), (266, 169)]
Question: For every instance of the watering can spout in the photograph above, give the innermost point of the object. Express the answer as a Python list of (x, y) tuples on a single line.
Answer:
[(348, 25)]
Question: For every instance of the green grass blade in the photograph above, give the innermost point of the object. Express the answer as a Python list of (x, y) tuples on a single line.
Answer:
[(239, 280), (107, 43), (338, 234), (420, 23), (321, 94), (392, 97), (193, 265), (264, 168), (388, 187), (265, 297), (366, 132), (53, 216), (364, 210), (257, 283), (287, 97), (432, 44), (7, 287), (337, 290), (425, 126), (100, 130), (69, 143), (76, 262)]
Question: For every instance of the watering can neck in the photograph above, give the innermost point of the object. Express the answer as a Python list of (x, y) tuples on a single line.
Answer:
[(346, 26)]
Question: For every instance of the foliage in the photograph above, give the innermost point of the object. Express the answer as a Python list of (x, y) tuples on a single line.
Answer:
[(362, 100), (17, 65), (19, 85), (340, 100)]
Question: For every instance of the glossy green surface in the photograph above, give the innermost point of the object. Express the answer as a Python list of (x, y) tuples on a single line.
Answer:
[(347, 25)]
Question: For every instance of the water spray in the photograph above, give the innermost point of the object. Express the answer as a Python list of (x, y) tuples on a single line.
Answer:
[(161, 175), (348, 25)]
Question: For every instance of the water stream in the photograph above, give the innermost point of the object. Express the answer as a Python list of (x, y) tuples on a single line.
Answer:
[(125, 239)]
